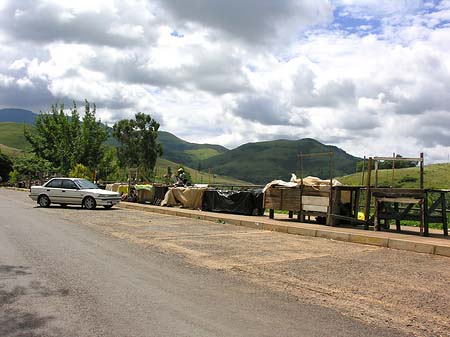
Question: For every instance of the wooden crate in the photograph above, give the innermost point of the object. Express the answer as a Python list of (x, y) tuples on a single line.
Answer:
[(283, 198)]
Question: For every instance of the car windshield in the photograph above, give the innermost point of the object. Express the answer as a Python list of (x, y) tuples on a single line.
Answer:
[(86, 184)]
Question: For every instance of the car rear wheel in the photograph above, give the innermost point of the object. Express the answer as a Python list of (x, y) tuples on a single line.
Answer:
[(44, 201), (89, 203)]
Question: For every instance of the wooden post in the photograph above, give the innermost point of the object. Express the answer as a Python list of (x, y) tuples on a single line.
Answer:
[(330, 201), (393, 169), (421, 170), (368, 192), (362, 171), (444, 213), (376, 173), (422, 216), (356, 202), (425, 214), (376, 221), (397, 221)]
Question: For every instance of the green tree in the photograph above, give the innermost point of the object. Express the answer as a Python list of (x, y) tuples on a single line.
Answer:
[(92, 136), (65, 140), (32, 167), (53, 138), (6, 166), (108, 168), (80, 171), (138, 147)]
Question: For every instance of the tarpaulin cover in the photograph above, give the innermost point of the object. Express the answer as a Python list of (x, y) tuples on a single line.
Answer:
[(314, 182), (234, 202), (188, 197), (145, 193), (122, 189)]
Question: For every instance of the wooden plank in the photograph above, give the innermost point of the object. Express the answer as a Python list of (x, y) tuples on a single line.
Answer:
[(401, 200), (315, 201), (315, 193), (282, 198), (398, 159), (313, 208)]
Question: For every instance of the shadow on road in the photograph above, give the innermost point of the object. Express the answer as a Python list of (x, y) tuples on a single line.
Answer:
[(76, 207), (15, 319)]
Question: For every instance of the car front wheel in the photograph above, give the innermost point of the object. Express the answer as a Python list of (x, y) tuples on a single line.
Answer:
[(44, 201), (89, 203)]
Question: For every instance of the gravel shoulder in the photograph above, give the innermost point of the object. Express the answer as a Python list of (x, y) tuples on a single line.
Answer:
[(402, 290)]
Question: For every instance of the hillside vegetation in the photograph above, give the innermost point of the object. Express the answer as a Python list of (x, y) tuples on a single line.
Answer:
[(436, 176), (11, 135), (257, 163), (11, 151), (197, 176), (191, 154), (14, 144), (263, 162)]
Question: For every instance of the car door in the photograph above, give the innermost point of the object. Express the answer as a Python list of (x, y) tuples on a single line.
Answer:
[(53, 190), (70, 192)]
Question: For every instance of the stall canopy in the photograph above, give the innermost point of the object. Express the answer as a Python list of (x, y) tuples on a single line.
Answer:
[(235, 202)]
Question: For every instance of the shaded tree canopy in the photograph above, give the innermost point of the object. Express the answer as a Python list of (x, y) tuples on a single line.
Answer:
[(6, 166), (138, 146)]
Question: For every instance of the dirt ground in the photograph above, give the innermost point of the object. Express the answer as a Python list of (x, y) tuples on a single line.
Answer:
[(404, 290)]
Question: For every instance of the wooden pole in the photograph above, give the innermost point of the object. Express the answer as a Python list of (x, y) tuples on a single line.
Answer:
[(363, 169), (393, 169), (444, 213), (376, 173), (421, 170), (367, 205), (330, 221)]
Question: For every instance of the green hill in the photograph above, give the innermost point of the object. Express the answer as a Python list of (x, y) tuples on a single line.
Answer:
[(10, 151), (11, 135), (435, 176), (197, 176), (263, 162), (190, 154), (258, 163)]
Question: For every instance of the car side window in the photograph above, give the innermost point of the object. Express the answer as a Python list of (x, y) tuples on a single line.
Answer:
[(69, 184), (55, 183)]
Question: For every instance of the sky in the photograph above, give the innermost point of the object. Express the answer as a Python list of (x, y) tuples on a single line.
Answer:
[(369, 76)]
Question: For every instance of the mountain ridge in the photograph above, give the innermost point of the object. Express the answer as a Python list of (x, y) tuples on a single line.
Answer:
[(256, 162)]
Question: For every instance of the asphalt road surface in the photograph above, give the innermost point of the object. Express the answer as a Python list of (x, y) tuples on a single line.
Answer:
[(58, 278)]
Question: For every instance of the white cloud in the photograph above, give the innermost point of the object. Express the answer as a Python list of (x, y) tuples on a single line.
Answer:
[(370, 76)]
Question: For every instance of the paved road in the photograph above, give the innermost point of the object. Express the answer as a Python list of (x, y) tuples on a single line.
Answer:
[(58, 278)]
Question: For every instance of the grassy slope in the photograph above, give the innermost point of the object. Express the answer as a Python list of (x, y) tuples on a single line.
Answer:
[(197, 176), (435, 176), (190, 154), (264, 161), (11, 135), (11, 151)]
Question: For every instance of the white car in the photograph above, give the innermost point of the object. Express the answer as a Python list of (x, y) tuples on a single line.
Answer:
[(73, 191)]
